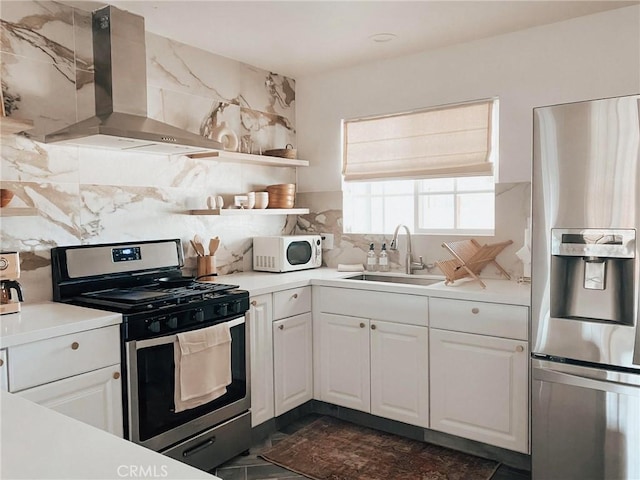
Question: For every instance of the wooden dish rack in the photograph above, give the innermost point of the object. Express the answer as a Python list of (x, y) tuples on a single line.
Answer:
[(470, 259)]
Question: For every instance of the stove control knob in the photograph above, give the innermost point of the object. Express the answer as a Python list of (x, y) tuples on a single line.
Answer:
[(154, 326), (172, 322), (198, 315), (222, 309), (234, 307)]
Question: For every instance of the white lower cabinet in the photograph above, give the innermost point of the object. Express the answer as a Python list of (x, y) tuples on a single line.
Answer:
[(344, 368), (4, 385), (400, 372), (94, 398), (292, 362), (77, 375), (375, 366), (479, 388), (281, 352), (260, 317)]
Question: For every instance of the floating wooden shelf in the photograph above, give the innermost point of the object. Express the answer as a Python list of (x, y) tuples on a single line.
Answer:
[(470, 259), (18, 211), (250, 211), (252, 159), (10, 125)]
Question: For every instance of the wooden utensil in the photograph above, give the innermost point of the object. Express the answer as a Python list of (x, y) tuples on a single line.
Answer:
[(193, 244), (214, 243), (197, 244)]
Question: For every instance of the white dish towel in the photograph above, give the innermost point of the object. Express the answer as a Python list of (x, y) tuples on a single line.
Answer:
[(202, 366)]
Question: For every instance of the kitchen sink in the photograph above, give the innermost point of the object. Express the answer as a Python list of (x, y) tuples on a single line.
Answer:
[(372, 277)]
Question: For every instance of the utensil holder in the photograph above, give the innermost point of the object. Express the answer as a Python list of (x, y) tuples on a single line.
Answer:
[(207, 266)]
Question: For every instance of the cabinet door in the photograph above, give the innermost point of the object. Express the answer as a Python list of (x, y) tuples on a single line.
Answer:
[(400, 372), (292, 362), (94, 398), (4, 385), (260, 317), (344, 361), (479, 388)]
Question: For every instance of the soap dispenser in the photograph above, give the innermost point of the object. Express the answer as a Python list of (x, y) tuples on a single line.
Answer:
[(371, 259), (383, 260)]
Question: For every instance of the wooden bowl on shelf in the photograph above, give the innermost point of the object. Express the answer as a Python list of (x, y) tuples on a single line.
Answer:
[(288, 152), (5, 197), (282, 195)]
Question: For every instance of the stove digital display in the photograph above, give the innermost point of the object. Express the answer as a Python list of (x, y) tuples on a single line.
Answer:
[(126, 254)]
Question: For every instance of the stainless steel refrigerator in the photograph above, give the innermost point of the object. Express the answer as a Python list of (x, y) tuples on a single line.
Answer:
[(585, 339)]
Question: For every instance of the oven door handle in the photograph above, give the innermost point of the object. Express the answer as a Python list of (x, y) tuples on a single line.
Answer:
[(153, 342)]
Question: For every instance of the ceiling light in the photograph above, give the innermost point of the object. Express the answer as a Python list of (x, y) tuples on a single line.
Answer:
[(383, 37)]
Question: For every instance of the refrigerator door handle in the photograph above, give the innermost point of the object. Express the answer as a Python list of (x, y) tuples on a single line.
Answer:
[(554, 376)]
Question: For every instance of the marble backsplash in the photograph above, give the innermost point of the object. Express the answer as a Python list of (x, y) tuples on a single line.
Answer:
[(89, 196), (513, 208)]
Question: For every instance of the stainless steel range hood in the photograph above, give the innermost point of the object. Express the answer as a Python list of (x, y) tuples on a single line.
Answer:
[(121, 121)]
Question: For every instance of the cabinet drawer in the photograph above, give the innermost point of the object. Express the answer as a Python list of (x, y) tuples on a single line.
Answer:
[(288, 303), (390, 307), (41, 362), (507, 321)]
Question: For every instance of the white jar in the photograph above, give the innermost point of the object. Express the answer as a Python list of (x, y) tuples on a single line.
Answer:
[(262, 200)]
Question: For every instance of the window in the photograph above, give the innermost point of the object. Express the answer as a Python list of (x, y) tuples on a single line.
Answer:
[(430, 170), (463, 206)]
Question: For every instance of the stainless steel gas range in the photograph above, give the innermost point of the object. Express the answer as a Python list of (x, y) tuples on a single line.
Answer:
[(143, 282)]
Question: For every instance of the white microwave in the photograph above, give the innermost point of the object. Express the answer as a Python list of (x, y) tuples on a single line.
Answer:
[(287, 253)]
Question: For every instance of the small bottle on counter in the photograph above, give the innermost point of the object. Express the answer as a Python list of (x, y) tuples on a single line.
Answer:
[(371, 259), (383, 259)]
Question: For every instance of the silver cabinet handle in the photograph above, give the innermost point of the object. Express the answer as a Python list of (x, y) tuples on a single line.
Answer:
[(116, 375), (75, 346), (295, 295), (254, 303), (475, 310), (361, 325), (373, 327), (519, 348), (281, 327)]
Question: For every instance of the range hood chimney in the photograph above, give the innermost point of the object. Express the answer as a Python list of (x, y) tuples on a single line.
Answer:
[(121, 121)]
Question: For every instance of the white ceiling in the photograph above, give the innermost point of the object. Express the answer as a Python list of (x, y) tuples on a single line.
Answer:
[(298, 38)]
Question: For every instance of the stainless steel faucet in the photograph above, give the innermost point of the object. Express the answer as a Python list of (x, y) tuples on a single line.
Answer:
[(409, 264)]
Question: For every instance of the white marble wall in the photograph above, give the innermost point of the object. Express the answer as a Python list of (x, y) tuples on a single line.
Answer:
[(513, 207), (88, 196)]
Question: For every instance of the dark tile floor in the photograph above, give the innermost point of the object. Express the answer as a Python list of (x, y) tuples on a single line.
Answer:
[(251, 467)]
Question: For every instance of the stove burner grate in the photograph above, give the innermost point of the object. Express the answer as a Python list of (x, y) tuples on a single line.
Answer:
[(128, 296), (157, 294)]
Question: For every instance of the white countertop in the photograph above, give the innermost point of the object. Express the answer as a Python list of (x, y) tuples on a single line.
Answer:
[(39, 443), (40, 321), (258, 283), (497, 291)]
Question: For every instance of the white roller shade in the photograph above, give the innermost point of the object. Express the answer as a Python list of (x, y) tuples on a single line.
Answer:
[(447, 141)]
